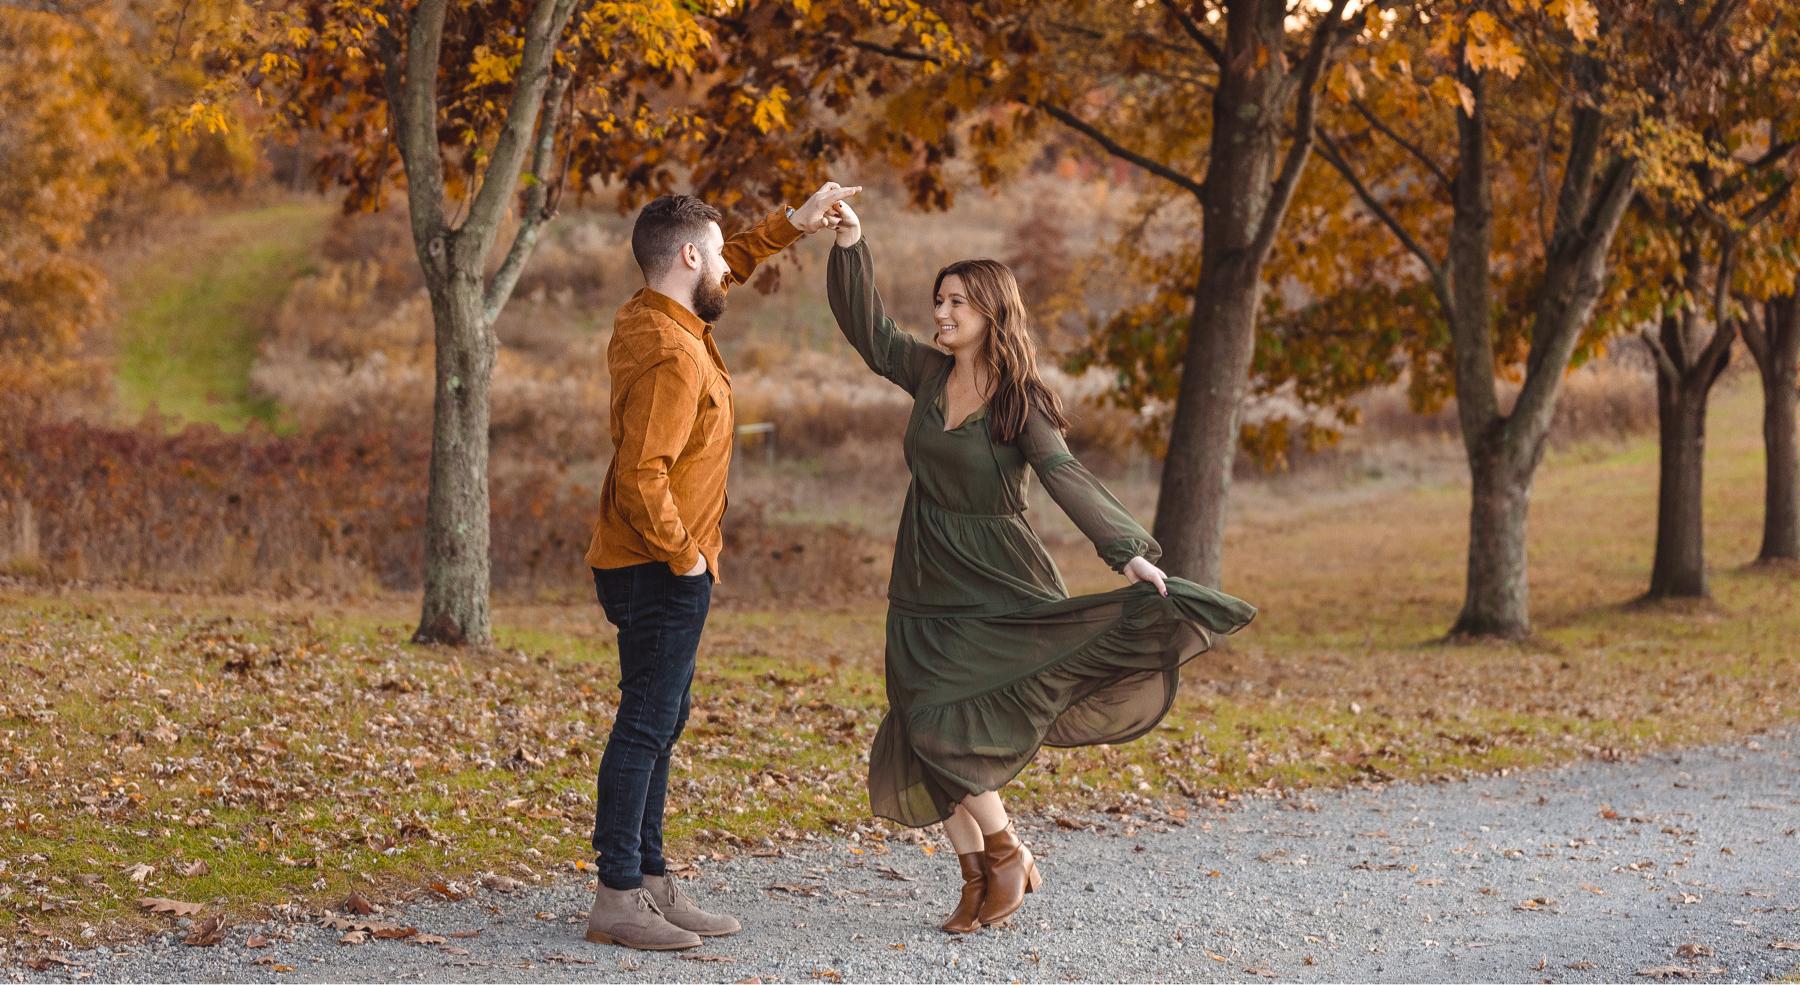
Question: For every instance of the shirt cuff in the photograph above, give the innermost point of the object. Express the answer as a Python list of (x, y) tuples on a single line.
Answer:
[(684, 562), (778, 231)]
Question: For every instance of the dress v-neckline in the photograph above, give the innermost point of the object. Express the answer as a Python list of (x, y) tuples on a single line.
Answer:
[(943, 406)]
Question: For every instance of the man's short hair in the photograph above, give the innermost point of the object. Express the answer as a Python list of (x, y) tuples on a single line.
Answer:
[(664, 226)]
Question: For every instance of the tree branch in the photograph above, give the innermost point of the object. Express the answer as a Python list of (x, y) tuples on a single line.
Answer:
[(1193, 29), (1571, 287), (500, 179), (1414, 149), (893, 52), (538, 207), (1118, 150), (1755, 340), (1663, 360), (1305, 112), (1328, 149), (410, 78)]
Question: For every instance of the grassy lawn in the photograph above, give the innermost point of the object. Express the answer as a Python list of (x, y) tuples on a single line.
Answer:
[(192, 316), (302, 749)]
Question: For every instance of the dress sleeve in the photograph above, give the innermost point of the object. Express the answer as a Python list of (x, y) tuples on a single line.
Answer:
[(1100, 516), (850, 286)]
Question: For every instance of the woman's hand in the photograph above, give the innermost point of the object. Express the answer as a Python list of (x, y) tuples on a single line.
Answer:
[(849, 227), (1137, 569), (812, 214)]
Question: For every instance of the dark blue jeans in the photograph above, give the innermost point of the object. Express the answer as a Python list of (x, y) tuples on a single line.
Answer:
[(659, 615)]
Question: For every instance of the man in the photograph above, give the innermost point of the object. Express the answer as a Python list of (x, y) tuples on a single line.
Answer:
[(655, 550)]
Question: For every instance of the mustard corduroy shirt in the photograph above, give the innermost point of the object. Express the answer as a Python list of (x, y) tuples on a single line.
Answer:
[(672, 423)]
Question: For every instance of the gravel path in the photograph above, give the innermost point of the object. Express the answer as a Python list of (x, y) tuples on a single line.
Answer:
[(1678, 865)]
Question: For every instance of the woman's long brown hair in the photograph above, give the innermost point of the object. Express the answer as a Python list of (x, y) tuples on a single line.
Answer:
[(1009, 354)]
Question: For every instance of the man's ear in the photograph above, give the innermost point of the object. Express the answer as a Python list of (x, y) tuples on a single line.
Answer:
[(690, 255)]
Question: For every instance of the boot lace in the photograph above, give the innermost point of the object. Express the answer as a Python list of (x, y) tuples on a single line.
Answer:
[(644, 901), (677, 898)]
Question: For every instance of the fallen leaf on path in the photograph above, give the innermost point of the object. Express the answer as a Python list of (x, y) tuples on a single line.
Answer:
[(354, 937), (464, 934), (139, 872), (1536, 903), (796, 890), (504, 884), (1785, 945), (1667, 971), (569, 959), (193, 869), (43, 962), (1684, 898), (1596, 890), (426, 939), (1581, 965), (157, 904), (720, 958), (359, 904), (1692, 951), (446, 890), (256, 940), (889, 872), (828, 974), (207, 932), (370, 928)]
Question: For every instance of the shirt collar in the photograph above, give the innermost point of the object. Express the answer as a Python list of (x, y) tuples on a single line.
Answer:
[(675, 310)]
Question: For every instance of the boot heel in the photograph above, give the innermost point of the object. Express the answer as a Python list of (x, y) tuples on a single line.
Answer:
[(1033, 879), (596, 937)]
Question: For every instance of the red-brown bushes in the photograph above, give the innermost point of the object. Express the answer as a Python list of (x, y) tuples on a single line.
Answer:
[(335, 511)]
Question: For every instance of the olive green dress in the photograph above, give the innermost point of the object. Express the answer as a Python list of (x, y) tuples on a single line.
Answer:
[(988, 657)]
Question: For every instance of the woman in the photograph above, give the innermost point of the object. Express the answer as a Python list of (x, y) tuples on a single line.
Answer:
[(987, 656)]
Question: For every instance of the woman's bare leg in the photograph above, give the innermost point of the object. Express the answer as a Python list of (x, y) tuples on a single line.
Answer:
[(986, 810), (963, 831)]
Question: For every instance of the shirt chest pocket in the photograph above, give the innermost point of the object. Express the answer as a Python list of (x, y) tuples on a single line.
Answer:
[(715, 420)]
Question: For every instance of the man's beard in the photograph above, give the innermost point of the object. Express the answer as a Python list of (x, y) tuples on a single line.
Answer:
[(709, 300)]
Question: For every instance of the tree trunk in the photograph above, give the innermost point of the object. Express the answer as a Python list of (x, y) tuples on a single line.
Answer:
[(1234, 201), (1505, 450), (1679, 570), (455, 608), (1776, 359), (1496, 597), (1203, 439)]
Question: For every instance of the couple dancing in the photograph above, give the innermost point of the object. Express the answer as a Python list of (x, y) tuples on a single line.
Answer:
[(988, 658)]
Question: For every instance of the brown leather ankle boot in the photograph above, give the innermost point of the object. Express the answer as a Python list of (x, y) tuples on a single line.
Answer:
[(1011, 873), (974, 890)]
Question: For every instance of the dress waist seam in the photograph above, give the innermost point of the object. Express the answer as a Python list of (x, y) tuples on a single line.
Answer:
[(937, 508)]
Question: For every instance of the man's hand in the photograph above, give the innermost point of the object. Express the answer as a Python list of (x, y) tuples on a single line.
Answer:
[(1137, 569), (848, 226), (812, 215), (699, 568)]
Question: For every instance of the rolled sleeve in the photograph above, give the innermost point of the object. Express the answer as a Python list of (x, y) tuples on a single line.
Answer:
[(745, 250)]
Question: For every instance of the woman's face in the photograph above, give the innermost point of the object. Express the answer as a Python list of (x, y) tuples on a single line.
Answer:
[(960, 328)]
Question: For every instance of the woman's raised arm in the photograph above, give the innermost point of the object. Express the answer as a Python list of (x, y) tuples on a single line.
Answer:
[(850, 287)]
